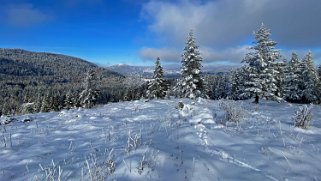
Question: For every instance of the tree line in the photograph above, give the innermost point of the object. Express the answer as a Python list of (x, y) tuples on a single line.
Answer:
[(265, 74)]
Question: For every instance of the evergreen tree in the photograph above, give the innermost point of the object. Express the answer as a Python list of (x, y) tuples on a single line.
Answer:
[(261, 67), (46, 104), (293, 80), (239, 76), (222, 87), (157, 87), (281, 70), (191, 84), (57, 101), (38, 102), (310, 79), (88, 97), (319, 84), (69, 102)]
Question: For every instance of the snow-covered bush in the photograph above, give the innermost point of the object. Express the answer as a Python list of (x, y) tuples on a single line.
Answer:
[(234, 112), (6, 120), (303, 117), (27, 108), (180, 105)]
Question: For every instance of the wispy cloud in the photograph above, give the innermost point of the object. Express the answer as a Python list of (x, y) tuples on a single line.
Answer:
[(163, 53), (231, 56), (25, 15), (209, 55)]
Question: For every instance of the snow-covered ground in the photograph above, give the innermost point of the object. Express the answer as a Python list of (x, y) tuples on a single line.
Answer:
[(156, 141)]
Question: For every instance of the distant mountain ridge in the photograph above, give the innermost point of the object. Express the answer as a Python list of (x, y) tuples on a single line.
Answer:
[(169, 70)]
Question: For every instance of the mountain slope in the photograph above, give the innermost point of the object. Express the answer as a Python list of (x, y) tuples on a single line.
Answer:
[(42, 78), (53, 67)]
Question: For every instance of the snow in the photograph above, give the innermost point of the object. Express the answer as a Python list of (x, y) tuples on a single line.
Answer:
[(156, 141)]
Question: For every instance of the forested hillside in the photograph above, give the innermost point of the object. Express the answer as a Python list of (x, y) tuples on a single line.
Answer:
[(27, 77), (46, 66)]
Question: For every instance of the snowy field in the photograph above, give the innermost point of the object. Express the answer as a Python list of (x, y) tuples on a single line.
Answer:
[(157, 141)]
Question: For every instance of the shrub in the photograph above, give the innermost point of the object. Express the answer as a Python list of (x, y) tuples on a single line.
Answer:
[(234, 112), (180, 105), (303, 117)]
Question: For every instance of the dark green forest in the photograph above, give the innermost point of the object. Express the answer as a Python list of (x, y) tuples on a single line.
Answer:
[(29, 80)]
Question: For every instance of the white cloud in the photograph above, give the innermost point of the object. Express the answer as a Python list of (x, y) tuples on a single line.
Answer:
[(224, 28), (24, 15), (228, 23)]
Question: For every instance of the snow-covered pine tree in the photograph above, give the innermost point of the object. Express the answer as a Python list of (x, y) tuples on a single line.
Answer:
[(57, 102), (191, 84), (319, 84), (37, 103), (293, 91), (46, 104), (88, 97), (157, 87), (261, 67), (281, 69), (310, 79), (239, 76), (69, 103), (222, 86)]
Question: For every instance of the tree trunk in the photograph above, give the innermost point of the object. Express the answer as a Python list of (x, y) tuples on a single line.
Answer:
[(256, 99)]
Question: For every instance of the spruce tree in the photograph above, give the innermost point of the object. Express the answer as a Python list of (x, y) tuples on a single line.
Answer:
[(281, 69), (88, 97), (222, 88), (239, 76), (69, 103), (310, 79), (191, 84), (319, 84), (261, 67), (157, 87), (46, 104), (293, 80)]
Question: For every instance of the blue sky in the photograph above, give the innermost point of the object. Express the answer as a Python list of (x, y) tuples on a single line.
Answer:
[(137, 31)]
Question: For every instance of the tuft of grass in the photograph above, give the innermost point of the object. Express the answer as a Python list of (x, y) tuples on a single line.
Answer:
[(303, 117)]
